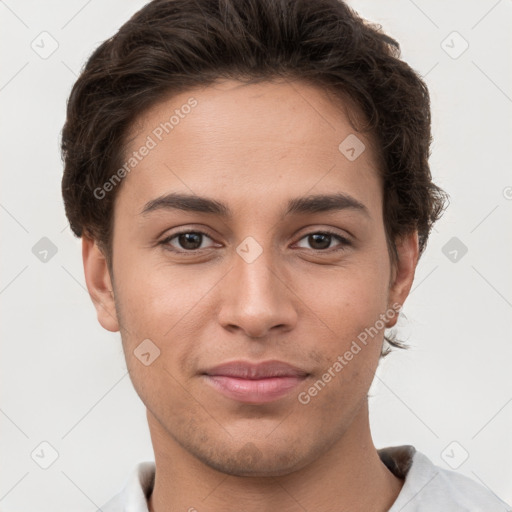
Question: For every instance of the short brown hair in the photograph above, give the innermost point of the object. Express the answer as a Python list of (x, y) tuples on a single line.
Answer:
[(170, 46)]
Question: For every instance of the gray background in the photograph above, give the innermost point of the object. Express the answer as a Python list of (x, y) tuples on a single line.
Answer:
[(63, 378)]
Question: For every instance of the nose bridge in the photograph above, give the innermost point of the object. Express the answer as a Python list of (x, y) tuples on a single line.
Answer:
[(257, 275), (256, 299)]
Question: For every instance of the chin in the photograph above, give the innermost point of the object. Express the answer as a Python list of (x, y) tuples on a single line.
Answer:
[(255, 462)]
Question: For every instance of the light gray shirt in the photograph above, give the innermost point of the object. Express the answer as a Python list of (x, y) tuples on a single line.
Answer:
[(427, 488)]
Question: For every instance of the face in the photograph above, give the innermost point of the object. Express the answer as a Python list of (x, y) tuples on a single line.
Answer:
[(262, 272)]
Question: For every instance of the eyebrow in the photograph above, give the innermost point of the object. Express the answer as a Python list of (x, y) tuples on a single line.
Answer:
[(299, 205)]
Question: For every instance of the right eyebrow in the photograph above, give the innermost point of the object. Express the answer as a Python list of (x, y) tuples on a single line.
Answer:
[(187, 202)]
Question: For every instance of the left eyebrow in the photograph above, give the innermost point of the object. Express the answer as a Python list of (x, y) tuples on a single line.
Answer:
[(325, 203), (299, 205)]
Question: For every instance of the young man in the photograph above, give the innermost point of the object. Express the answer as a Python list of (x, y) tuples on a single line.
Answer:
[(250, 180)]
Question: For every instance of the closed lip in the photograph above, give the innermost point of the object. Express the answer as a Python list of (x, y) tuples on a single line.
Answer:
[(255, 383), (255, 371)]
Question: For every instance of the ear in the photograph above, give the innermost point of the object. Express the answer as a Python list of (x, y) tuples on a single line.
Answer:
[(402, 274), (99, 284)]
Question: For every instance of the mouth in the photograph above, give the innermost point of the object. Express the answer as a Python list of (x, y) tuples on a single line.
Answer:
[(254, 383)]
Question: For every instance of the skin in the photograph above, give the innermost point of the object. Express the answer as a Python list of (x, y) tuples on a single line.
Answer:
[(254, 147)]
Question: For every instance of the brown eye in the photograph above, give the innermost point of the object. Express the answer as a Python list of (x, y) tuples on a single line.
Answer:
[(320, 241), (186, 241)]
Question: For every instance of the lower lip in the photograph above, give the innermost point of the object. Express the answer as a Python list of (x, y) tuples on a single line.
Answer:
[(258, 391)]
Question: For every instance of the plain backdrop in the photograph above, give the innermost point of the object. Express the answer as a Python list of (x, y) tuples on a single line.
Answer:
[(63, 378)]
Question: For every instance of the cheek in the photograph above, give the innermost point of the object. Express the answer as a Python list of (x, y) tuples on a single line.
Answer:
[(169, 307), (352, 298), (349, 309), (153, 298)]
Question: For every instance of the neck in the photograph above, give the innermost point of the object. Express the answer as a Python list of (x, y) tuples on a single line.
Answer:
[(348, 476)]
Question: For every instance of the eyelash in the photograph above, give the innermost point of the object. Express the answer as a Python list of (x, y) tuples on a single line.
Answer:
[(344, 242)]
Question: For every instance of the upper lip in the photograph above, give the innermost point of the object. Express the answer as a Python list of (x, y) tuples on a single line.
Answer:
[(261, 370)]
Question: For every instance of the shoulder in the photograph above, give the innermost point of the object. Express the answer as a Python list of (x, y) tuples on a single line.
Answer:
[(429, 487), (133, 497)]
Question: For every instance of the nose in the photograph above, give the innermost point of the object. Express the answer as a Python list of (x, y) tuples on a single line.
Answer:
[(257, 299)]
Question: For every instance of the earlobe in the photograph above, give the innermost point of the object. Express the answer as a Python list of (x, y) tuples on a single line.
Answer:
[(99, 284), (403, 273)]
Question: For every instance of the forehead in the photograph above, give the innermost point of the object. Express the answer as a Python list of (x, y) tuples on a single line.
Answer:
[(238, 141)]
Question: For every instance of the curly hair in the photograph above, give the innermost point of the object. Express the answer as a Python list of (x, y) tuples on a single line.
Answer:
[(170, 46)]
